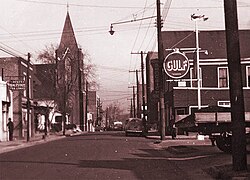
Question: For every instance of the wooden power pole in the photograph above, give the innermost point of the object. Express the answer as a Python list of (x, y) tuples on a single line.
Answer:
[(239, 155), (160, 59), (28, 97)]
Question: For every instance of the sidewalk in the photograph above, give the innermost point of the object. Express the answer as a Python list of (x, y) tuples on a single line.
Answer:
[(7, 146), (184, 144)]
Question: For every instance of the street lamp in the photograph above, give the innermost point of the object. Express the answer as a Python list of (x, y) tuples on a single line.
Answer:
[(196, 18), (111, 31)]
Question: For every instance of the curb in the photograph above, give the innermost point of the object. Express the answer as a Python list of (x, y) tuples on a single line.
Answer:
[(23, 144)]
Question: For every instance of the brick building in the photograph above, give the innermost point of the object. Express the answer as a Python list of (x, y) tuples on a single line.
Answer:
[(15, 68), (181, 95)]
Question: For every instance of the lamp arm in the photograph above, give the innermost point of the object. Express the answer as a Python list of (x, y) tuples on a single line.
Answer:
[(134, 20)]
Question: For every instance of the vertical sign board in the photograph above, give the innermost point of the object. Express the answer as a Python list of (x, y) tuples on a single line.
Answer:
[(156, 75), (176, 65)]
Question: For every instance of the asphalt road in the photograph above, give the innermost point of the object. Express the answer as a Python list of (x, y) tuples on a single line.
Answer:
[(108, 156)]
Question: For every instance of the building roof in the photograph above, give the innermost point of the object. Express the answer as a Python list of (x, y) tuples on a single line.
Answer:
[(213, 41), (68, 39), (44, 82)]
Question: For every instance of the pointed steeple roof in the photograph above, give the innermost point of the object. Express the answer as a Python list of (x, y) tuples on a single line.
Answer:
[(68, 39)]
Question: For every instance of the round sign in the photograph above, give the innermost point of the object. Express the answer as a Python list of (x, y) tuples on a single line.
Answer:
[(176, 65)]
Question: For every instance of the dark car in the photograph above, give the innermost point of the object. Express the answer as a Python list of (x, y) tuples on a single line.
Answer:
[(118, 126), (134, 126)]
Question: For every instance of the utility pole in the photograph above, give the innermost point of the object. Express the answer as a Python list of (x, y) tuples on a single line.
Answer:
[(137, 114), (131, 107), (80, 90), (86, 107), (239, 154), (137, 95), (64, 107), (28, 98), (160, 58), (133, 99), (143, 95), (2, 75), (134, 115), (143, 92), (46, 122), (106, 121)]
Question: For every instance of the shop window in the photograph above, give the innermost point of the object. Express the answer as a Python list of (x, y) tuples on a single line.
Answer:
[(193, 77), (223, 77), (248, 75)]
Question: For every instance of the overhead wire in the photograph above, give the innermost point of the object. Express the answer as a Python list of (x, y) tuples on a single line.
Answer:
[(117, 7), (16, 38), (11, 51), (82, 5), (146, 31), (138, 31)]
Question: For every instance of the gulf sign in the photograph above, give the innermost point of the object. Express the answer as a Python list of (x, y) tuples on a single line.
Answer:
[(176, 65)]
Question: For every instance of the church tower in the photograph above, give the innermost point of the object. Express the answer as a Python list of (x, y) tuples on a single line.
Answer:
[(69, 82)]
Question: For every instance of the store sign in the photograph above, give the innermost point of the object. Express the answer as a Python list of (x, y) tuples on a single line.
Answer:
[(17, 84), (176, 65)]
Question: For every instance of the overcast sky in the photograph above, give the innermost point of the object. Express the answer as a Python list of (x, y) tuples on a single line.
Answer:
[(30, 25)]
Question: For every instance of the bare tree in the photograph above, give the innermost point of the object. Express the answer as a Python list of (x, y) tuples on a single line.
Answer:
[(66, 78), (47, 55)]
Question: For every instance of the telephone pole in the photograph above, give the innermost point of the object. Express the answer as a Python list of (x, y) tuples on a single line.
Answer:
[(239, 154), (133, 99), (28, 98), (137, 95), (86, 106), (160, 58), (143, 95), (131, 107), (80, 90), (134, 115)]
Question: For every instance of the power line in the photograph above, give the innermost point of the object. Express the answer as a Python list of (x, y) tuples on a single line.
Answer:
[(9, 52), (82, 5), (12, 49), (124, 7), (16, 38)]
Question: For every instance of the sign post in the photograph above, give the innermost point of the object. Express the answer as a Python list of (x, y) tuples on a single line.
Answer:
[(176, 65)]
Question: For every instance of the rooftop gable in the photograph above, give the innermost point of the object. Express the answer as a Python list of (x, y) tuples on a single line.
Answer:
[(68, 39)]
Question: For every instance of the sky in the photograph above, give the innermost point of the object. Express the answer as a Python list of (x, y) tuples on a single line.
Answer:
[(30, 25)]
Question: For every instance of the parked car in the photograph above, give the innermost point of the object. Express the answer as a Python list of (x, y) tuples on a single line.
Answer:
[(134, 126), (118, 126)]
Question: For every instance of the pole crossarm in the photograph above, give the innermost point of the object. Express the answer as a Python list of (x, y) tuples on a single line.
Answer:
[(134, 71), (188, 50), (138, 53)]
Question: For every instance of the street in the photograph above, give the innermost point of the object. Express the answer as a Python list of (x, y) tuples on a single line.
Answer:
[(110, 155)]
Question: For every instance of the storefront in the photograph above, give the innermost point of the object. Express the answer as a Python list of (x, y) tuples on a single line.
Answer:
[(6, 109)]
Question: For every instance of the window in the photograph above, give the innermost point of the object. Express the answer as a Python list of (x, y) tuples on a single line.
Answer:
[(223, 77), (193, 78), (180, 111), (224, 103), (248, 75), (24, 78), (68, 70)]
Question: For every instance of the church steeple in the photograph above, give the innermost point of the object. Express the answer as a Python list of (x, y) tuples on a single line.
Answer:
[(68, 39)]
